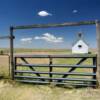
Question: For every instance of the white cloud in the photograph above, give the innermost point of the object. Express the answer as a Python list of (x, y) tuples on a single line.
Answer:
[(44, 13), (26, 40), (75, 11), (37, 37), (49, 38)]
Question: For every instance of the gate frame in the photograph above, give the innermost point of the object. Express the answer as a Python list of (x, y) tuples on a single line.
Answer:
[(51, 66), (66, 24)]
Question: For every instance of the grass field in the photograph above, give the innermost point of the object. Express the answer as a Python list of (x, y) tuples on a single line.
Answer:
[(11, 90), (18, 91)]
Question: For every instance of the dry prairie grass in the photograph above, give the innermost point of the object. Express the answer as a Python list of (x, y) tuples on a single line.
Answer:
[(18, 91), (11, 90)]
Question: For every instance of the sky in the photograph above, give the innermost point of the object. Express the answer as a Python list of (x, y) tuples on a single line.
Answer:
[(27, 12)]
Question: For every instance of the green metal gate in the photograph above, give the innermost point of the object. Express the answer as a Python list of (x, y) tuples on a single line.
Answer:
[(27, 72)]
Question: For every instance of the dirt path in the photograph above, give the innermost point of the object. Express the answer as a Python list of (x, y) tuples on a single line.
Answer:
[(4, 60)]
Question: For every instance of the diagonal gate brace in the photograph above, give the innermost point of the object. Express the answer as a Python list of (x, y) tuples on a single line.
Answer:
[(72, 69), (31, 67)]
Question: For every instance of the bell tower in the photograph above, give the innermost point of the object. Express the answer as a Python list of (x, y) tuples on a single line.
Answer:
[(80, 35)]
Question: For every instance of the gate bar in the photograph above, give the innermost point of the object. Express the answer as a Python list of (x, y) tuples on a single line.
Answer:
[(65, 79), (56, 73), (56, 65), (58, 56), (58, 83)]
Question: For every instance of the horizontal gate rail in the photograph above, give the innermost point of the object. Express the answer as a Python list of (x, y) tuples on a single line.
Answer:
[(57, 56), (57, 73), (59, 83), (55, 65), (65, 79)]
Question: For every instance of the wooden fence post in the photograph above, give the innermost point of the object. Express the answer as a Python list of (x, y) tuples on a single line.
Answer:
[(98, 50), (11, 52)]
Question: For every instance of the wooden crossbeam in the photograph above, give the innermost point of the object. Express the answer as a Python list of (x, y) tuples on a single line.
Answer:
[(55, 25), (31, 67), (4, 37)]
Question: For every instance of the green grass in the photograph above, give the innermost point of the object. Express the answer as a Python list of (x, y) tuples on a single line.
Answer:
[(23, 50), (51, 51)]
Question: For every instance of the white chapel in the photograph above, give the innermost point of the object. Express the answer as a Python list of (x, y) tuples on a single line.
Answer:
[(80, 46)]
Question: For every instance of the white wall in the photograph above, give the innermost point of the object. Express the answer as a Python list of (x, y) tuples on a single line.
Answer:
[(83, 49)]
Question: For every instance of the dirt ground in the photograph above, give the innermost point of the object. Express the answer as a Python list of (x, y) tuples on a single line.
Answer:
[(4, 60)]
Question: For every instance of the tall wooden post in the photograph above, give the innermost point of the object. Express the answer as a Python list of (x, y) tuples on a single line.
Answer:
[(11, 52), (98, 50)]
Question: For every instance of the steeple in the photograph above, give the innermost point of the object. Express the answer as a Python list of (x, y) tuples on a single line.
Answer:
[(80, 35)]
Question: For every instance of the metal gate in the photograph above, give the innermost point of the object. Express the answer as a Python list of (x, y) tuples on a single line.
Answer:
[(27, 72)]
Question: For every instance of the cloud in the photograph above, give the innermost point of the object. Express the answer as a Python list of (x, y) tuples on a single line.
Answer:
[(44, 13), (74, 11), (49, 38), (26, 40)]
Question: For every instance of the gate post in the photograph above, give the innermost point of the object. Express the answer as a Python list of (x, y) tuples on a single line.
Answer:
[(11, 52), (98, 50)]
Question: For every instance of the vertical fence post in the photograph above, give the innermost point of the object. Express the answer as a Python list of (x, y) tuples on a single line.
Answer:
[(50, 68), (9, 66), (94, 69), (15, 67), (11, 52), (98, 50)]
